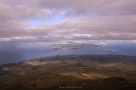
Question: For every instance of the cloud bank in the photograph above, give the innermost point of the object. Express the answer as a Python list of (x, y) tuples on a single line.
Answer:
[(51, 20)]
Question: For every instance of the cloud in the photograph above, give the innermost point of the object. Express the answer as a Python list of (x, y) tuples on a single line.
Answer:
[(91, 6), (74, 20)]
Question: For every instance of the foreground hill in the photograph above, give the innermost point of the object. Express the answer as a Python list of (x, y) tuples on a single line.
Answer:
[(83, 72)]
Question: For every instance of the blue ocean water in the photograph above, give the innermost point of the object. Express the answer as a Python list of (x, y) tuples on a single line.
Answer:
[(16, 52)]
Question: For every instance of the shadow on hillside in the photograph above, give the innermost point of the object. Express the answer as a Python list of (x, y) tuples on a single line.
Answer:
[(113, 83)]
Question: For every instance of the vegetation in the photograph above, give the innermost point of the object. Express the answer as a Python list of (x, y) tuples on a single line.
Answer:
[(83, 72)]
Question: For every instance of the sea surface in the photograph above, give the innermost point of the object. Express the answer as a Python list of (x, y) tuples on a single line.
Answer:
[(12, 52)]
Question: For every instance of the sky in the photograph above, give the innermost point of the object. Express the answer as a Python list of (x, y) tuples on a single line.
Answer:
[(53, 24), (48, 20)]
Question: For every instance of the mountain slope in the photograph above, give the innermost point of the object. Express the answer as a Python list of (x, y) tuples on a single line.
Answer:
[(95, 72)]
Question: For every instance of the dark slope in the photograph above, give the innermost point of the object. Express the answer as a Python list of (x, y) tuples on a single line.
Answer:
[(76, 72)]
